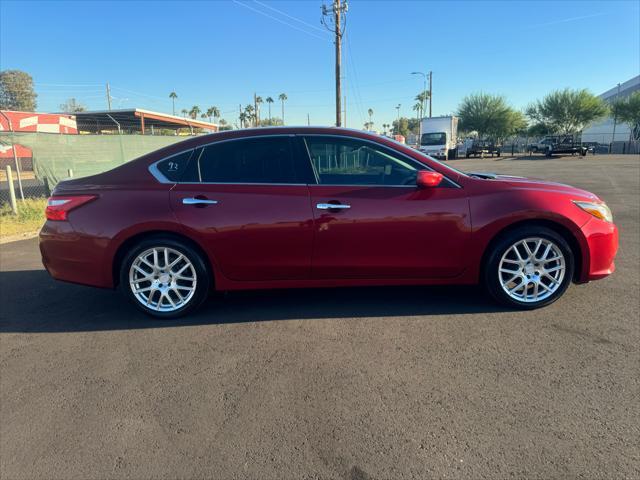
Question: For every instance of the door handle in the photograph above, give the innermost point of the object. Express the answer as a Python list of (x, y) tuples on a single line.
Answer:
[(198, 201), (332, 206)]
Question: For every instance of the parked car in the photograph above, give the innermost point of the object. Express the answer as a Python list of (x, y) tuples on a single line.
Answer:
[(318, 207)]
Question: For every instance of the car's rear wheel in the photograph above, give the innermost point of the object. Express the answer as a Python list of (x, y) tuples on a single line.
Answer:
[(529, 268), (164, 277)]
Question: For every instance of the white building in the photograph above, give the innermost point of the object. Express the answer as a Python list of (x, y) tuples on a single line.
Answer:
[(602, 131)]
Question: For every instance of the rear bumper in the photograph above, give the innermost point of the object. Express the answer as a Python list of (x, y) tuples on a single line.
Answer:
[(71, 257), (602, 242)]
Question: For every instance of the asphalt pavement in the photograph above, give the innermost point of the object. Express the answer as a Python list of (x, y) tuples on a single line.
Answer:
[(363, 383)]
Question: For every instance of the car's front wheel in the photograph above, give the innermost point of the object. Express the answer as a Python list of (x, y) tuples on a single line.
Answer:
[(529, 268), (164, 277)]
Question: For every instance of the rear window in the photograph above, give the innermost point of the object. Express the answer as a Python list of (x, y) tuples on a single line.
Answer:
[(257, 160), (174, 167)]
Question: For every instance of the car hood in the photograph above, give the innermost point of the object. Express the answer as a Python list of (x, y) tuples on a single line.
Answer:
[(538, 184)]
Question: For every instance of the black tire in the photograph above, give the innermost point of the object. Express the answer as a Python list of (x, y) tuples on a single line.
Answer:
[(202, 274), (491, 274), (467, 154)]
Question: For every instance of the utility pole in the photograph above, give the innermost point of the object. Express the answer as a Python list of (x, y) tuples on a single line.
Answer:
[(108, 96), (430, 91), (308, 120), (332, 18)]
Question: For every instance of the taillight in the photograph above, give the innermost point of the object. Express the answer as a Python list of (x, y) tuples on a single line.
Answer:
[(58, 206)]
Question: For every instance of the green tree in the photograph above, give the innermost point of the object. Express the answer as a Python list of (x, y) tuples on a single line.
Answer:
[(16, 91), (406, 126), (567, 111), (628, 111), (269, 101), (271, 122), (283, 98), (72, 106), (490, 116), (370, 113), (173, 96), (184, 112), (195, 110)]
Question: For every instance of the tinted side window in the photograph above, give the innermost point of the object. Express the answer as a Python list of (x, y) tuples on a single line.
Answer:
[(348, 161), (174, 167), (259, 160)]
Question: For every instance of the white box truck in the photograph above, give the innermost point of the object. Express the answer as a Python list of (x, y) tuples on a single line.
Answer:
[(439, 137)]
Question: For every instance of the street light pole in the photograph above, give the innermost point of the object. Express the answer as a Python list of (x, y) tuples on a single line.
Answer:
[(430, 90), (398, 124)]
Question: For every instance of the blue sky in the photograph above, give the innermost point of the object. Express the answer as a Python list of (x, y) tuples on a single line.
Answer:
[(219, 53)]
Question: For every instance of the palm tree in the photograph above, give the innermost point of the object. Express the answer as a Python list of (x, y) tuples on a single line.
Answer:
[(195, 110), (418, 109), (259, 101), (173, 96), (370, 112), (250, 113), (269, 100), (215, 111), (282, 97), (422, 97), (184, 112), (243, 119)]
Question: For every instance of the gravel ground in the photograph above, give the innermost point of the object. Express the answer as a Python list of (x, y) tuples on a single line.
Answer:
[(365, 383)]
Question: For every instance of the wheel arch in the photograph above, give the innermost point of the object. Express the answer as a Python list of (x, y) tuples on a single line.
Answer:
[(124, 247), (560, 229)]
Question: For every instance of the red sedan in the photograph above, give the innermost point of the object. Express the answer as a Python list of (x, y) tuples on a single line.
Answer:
[(318, 207)]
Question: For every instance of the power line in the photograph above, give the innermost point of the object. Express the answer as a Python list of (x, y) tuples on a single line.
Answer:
[(290, 16), (279, 20)]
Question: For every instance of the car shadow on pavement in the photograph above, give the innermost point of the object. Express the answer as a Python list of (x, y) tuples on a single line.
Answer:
[(31, 302)]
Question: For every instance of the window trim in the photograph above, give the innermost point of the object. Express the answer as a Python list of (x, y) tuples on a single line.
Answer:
[(153, 169)]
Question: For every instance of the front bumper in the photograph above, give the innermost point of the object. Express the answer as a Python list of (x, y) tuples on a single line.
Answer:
[(602, 245)]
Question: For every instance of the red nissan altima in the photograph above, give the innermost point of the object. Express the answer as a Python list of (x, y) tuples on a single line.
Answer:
[(318, 207)]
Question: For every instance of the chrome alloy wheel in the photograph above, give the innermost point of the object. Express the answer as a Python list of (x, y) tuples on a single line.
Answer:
[(532, 269), (162, 279)]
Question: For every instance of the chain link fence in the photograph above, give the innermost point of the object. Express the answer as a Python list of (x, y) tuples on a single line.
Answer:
[(56, 157)]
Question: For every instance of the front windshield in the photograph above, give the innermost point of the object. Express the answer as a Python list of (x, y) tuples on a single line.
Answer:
[(435, 138)]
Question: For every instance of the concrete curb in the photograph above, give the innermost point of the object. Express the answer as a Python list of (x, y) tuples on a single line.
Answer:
[(17, 238)]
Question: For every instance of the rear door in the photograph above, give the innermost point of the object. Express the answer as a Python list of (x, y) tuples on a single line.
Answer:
[(372, 221), (247, 201)]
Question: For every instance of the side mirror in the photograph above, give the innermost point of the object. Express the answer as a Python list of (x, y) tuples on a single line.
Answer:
[(428, 179)]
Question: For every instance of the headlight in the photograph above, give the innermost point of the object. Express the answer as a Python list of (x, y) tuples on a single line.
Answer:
[(598, 210)]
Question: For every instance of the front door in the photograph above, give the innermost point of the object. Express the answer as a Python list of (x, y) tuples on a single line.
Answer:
[(372, 221), (246, 201)]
